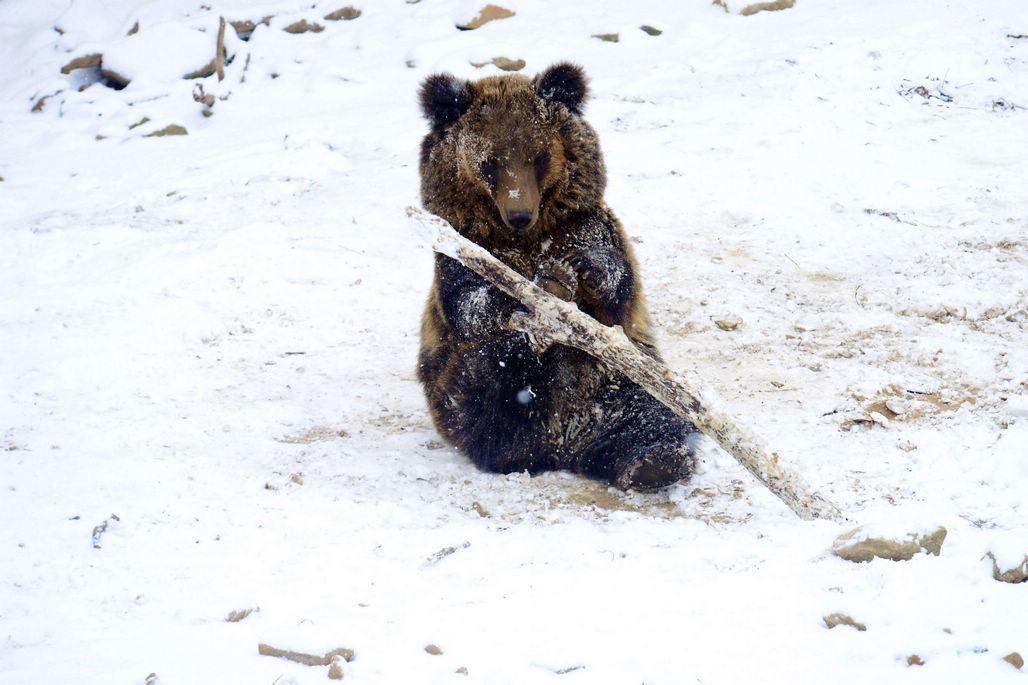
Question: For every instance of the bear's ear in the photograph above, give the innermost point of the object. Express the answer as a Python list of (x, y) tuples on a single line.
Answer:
[(564, 83), (443, 100)]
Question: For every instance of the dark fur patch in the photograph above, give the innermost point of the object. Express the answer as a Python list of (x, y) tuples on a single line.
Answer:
[(564, 83), (443, 100)]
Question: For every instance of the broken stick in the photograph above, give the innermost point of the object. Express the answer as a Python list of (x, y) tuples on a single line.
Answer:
[(550, 320), (219, 57)]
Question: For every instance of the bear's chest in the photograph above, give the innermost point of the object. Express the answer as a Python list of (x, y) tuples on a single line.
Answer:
[(525, 259)]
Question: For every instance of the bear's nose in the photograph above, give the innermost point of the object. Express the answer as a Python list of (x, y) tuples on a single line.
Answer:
[(519, 219)]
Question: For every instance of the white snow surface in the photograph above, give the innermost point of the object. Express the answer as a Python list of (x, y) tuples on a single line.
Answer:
[(213, 336)]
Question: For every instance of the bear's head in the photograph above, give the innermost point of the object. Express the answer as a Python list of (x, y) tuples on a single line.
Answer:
[(508, 154)]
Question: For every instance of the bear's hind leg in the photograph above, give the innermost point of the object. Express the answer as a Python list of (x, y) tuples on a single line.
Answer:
[(655, 466), (638, 443)]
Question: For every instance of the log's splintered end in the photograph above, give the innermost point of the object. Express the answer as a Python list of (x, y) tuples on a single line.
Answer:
[(432, 229)]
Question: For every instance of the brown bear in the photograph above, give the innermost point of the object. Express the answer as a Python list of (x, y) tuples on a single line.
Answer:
[(513, 166)]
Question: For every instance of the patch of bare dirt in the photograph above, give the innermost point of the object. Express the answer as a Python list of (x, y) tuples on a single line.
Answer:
[(316, 434)]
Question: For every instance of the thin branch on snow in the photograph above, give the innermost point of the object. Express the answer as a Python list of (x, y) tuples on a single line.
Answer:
[(553, 320), (99, 530), (219, 58)]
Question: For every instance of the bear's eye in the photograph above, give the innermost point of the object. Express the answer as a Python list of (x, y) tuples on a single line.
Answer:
[(542, 165), (490, 169)]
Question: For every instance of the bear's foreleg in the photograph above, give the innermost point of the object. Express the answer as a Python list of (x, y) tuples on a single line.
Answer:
[(474, 307), (498, 404)]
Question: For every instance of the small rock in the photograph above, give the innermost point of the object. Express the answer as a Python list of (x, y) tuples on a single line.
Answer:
[(480, 510), (914, 660), (608, 37), (507, 64), (855, 546), (202, 97), (87, 62), (41, 102), (335, 670), (111, 78), (485, 15), (463, 670), (879, 418), (728, 322), (303, 26), (245, 27), (897, 407), (932, 543), (504, 63), (169, 130), (767, 6), (203, 72), (833, 620), (433, 650), (651, 31), (346, 14), (237, 616), (1017, 574), (1014, 659)]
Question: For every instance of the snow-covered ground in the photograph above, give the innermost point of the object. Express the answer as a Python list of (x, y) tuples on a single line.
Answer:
[(209, 344)]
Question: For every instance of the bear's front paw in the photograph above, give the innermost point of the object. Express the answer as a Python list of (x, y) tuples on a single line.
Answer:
[(599, 270), (557, 278)]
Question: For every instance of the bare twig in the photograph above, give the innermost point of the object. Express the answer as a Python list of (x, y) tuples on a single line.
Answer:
[(305, 658), (99, 530), (246, 65), (554, 320), (219, 58), (443, 553)]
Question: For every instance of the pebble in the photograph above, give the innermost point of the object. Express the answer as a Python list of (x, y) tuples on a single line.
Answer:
[(345, 14), (833, 620), (728, 322), (484, 16), (303, 26), (1017, 574), (855, 546)]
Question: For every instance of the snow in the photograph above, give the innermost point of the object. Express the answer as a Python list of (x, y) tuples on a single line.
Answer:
[(212, 337)]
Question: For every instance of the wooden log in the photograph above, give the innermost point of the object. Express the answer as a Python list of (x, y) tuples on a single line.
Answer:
[(550, 320)]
